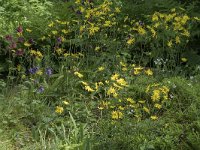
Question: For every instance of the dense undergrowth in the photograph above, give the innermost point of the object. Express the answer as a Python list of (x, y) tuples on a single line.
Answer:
[(99, 75)]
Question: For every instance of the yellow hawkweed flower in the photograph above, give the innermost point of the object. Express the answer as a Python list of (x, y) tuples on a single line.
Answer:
[(154, 117), (183, 59), (137, 70), (141, 31), (78, 74), (117, 9), (28, 30), (155, 17), (59, 109), (196, 18), (88, 88), (27, 44), (64, 31), (156, 95), (39, 54), (107, 24), (93, 29), (115, 76), (158, 106), (101, 68), (121, 82), (149, 72), (97, 48), (66, 102), (130, 41), (130, 100), (117, 115), (169, 44), (84, 83), (186, 33), (39, 72), (51, 24), (111, 90)]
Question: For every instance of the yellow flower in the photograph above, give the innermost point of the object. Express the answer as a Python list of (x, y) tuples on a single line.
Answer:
[(183, 59), (122, 82), (137, 70), (28, 30), (66, 102), (97, 48), (155, 17), (141, 31), (130, 100), (51, 24), (158, 106), (59, 51), (88, 88), (27, 44), (115, 76), (59, 109), (130, 41), (186, 33), (101, 68), (117, 115), (93, 29), (196, 18), (107, 24), (117, 9), (111, 90), (169, 44), (149, 72), (78, 74), (39, 72), (64, 31), (39, 54), (124, 69), (154, 117), (141, 101), (156, 95), (84, 83)]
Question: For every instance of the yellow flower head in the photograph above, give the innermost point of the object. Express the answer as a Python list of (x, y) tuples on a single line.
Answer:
[(183, 59), (149, 72), (116, 115), (78, 74), (154, 117), (88, 88), (59, 109), (66, 102), (156, 95), (158, 106), (101, 68), (121, 82), (115, 76), (27, 44)]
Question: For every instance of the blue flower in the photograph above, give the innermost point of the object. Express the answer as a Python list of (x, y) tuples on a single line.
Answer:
[(48, 71), (40, 89), (33, 70)]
